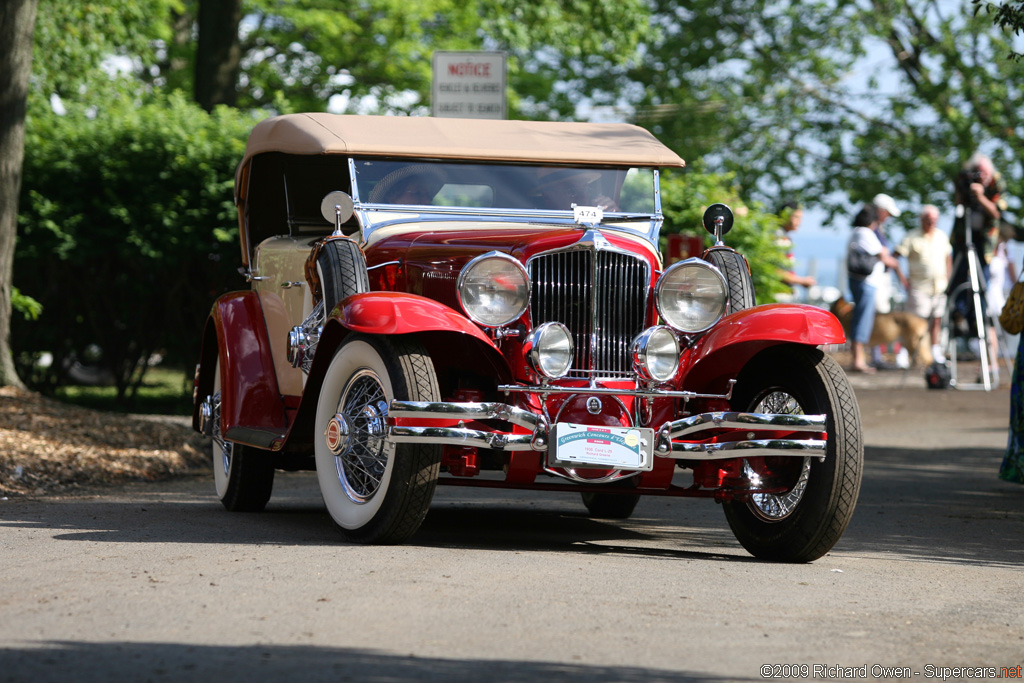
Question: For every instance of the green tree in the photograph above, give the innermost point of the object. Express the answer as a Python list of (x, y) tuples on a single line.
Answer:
[(96, 49), (685, 196), (17, 24), (218, 53), (1008, 16), (378, 53), (373, 56), (833, 98)]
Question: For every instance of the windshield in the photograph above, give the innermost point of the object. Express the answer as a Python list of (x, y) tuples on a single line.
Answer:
[(493, 186)]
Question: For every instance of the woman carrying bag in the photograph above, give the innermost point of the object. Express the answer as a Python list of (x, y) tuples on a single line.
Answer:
[(866, 263)]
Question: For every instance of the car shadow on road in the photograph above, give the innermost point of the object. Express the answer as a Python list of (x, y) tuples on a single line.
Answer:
[(185, 511), (939, 506), (486, 526), (56, 661), (481, 524)]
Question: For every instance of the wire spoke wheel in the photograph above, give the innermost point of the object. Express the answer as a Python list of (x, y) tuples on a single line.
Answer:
[(772, 507), (362, 465), (376, 491)]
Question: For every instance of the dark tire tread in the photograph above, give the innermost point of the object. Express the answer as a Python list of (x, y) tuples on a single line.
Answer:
[(342, 271), (611, 505), (250, 481), (827, 507), (617, 505), (737, 276)]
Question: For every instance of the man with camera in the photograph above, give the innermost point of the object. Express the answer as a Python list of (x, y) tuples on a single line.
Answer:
[(979, 192), (979, 205)]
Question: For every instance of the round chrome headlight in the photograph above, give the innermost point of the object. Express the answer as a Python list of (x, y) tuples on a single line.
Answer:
[(691, 296), (548, 350), (656, 354), (494, 289)]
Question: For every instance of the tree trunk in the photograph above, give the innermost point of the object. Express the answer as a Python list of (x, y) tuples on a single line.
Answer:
[(219, 53), (17, 25)]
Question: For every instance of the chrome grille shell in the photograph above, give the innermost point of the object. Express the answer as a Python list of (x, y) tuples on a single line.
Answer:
[(598, 291)]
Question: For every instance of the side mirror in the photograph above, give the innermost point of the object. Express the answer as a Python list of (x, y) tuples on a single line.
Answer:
[(336, 208), (718, 220)]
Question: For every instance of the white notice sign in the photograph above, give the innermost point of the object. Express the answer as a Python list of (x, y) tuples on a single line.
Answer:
[(469, 85)]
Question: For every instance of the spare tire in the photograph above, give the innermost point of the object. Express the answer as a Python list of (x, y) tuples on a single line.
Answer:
[(737, 276), (341, 268)]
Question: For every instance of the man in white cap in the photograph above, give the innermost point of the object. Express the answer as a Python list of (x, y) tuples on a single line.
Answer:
[(886, 207)]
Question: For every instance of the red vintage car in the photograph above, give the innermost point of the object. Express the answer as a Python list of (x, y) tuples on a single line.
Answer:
[(483, 303)]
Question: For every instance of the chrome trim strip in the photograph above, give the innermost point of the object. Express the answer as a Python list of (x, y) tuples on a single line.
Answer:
[(782, 422), (371, 222), (570, 474), (814, 448), (657, 198), (504, 212), (463, 411), (452, 436), (647, 393), (354, 180)]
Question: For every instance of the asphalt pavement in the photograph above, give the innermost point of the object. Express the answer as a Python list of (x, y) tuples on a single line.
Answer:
[(155, 582)]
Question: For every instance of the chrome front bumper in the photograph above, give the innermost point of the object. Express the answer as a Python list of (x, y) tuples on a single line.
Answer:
[(673, 440), (671, 433)]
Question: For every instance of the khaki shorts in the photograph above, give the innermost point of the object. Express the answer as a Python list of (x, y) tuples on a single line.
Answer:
[(926, 305)]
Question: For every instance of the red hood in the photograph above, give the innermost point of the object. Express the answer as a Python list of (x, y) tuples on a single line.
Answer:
[(436, 246), (430, 259)]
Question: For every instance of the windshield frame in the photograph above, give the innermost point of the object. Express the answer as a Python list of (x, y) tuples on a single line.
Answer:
[(376, 214)]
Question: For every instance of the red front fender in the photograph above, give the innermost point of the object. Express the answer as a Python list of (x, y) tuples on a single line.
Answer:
[(724, 350), (796, 323), (400, 313)]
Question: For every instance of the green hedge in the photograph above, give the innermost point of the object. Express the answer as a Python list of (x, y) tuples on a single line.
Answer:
[(127, 232)]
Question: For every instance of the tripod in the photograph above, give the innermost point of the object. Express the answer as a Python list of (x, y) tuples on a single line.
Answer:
[(976, 281)]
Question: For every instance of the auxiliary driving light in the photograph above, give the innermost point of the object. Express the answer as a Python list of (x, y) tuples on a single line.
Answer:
[(655, 354), (548, 350)]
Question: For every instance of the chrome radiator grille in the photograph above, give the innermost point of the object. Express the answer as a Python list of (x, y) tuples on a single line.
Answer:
[(601, 296)]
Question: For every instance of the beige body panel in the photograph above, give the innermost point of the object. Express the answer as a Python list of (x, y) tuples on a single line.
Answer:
[(281, 261)]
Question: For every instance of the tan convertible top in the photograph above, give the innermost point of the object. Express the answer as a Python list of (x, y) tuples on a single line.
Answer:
[(616, 144)]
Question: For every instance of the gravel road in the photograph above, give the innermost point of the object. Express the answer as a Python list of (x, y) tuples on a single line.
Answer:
[(156, 582)]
